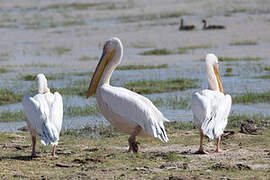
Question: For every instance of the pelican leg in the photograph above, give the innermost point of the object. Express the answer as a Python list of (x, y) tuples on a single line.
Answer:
[(201, 150), (53, 151), (218, 141), (133, 145), (34, 140)]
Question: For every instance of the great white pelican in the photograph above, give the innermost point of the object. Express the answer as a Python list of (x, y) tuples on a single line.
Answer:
[(128, 111), (44, 114), (211, 107)]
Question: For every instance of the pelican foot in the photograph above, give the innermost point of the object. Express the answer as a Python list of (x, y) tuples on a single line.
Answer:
[(218, 151), (133, 146), (201, 151)]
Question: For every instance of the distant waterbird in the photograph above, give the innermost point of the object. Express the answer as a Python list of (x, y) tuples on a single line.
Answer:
[(211, 27), (128, 111), (211, 107), (183, 27), (44, 114)]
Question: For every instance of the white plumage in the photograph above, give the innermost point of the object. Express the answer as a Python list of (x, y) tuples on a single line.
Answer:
[(211, 107), (127, 111), (44, 113), (211, 110)]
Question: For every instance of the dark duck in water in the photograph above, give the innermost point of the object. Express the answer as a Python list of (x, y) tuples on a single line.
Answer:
[(183, 27), (211, 27)]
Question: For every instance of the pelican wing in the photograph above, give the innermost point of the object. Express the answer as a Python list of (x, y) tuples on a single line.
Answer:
[(210, 111), (135, 108), (44, 113)]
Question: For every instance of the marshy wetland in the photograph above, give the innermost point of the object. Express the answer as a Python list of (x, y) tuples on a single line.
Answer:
[(64, 40)]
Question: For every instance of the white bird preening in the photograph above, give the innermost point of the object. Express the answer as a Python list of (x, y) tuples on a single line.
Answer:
[(211, 107), (44, 114), (126, 110)]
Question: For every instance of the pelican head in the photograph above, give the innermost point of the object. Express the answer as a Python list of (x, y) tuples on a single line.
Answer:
[(42, 84), (213, 77), (110, 58)]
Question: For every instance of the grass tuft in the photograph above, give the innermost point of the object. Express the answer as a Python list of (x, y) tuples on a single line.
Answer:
[(239, 59), (157, 52), (9, 97), (173, 102), (160, 86), (263, 77), (133, 67), (59, 50), (8, 116), (235, 121), (81, 111), (3, 70), (252, 98), (243, 43)]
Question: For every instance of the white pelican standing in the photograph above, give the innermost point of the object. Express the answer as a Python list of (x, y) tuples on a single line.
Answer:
[(44, 114), (211, 107), (124, 109)]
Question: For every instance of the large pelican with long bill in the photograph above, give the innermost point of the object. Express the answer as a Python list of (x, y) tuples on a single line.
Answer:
[(211, 107), (126, 110)]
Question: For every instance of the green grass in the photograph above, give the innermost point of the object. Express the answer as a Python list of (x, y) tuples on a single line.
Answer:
[(228, 59), (267, 68), (3, 70), (74, 111), (263, 77), (174, 102), (82, 74), (8, 116), (9, 97), (60, 50), (85, 58), (157, 52), (234, 121), (180, 50), (244, 43), (151, 17), (228, 70), (75, 6), (160, 86), (252, 98), (134, 67), (30, 77), (78, 88)]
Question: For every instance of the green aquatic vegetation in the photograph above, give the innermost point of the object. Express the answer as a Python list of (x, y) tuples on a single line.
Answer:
[(157, 52), (75, 6), (134, 67), (4, 70), (160, 86), (240, 58), (263, 77), (8, 116), (30, 77), (9, 97), (151, 17), (243, 43), (85, 58), (82, 73), (267, 68), (252, 98), (74, 111), (60, 50), (174, 102), (228, 70)]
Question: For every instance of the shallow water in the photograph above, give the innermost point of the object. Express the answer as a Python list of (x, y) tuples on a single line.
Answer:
[(30, 36)]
